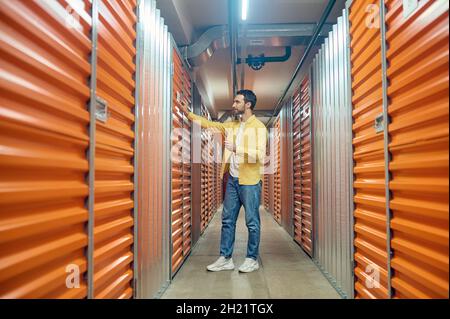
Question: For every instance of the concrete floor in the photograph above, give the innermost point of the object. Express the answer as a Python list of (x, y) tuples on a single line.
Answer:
[(285, 270)]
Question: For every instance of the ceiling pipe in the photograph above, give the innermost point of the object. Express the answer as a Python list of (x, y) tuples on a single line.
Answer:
[(257, 35), (324, 17), (257, 62)]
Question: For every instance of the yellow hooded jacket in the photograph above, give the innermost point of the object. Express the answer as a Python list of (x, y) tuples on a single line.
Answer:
[(251, 151)]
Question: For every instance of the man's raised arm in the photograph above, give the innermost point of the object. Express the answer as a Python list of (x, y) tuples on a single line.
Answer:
[(205, 123)]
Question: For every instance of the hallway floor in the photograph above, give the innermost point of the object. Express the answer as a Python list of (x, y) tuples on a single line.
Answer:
[(285, 270)]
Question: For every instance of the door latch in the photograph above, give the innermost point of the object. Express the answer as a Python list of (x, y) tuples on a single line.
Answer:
[(379, 123), (409, 6), (101, 109)]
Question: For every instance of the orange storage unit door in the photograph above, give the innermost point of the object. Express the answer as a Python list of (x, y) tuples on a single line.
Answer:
[(277, 175), (272, 169), (204, 184), (44, 83), (218, 168), (266, 191), (417, 56), (177, 167), (186, 145), (113, 234), (296, 143), (303, 167), (368, 150), (267, 176), (181, 166)]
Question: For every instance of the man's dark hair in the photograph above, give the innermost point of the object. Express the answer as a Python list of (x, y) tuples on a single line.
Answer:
[(249, 96)]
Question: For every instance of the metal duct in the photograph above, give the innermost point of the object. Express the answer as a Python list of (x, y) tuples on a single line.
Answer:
[(263, 35)]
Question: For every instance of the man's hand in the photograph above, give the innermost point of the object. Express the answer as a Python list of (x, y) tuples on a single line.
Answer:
[(230, 146), (184, 108)]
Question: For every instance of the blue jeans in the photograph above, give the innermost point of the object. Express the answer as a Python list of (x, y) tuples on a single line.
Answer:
[(237, 195)]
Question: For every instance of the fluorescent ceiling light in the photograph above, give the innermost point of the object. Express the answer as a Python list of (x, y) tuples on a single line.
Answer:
[(244, 9)]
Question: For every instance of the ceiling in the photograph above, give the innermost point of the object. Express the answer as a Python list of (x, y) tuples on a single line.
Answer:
[(189, 19)]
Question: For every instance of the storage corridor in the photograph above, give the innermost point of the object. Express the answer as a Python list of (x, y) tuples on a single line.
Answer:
[(285, 270), (111, 170)]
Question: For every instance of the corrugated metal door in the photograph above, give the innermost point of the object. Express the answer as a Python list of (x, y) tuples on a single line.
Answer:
[(186, 145), (217, 143), (218, 163), (277, 175), (368, 150), (204, 174), (211, 169), (181, 166), (267, 173), (286, 169), (266, 191), (177, 166), (45, 68), (418, 108), (113, 233), (296, 165), (303, 167), (213, 178)]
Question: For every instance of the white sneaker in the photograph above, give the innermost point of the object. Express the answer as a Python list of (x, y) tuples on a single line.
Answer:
[(221, 264), (249, 265)]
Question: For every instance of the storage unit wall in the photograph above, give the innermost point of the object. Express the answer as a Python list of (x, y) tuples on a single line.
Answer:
[(154, 153), (332, 160)]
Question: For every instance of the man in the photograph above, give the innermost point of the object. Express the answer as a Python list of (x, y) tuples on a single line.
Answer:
[(245, 149)]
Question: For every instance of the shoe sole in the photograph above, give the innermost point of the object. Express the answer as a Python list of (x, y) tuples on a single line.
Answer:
[(247, 271), (219, 269)]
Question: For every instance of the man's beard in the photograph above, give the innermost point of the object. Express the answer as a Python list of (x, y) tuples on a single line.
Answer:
[(237, 115)]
